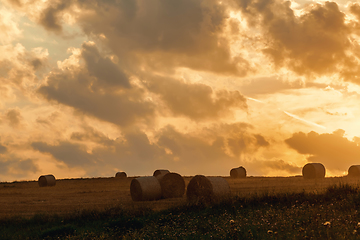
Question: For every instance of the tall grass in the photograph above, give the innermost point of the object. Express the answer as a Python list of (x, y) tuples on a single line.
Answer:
[(334, 214)]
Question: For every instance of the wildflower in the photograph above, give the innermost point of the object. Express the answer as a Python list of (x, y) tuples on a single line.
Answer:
[(327, 224), (270, 232)]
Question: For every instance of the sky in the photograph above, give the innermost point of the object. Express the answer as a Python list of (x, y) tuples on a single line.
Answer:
[(90, 88)]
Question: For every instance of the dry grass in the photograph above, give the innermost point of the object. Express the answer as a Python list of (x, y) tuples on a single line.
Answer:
[(71, 195)]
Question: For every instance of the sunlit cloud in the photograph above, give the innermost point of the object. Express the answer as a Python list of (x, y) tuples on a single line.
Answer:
[(304, 120), (92, 87)]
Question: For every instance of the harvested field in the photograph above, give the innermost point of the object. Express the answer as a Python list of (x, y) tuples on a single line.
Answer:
[(71, 195)]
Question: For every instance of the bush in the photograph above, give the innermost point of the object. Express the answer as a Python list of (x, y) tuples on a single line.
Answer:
[(57, 232)]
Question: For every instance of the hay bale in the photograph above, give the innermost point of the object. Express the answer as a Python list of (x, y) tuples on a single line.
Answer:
[(160, 171), (145, 189), (47, 180), (172, 185), (313, 171), (203, 189), (354, 171), (121, 175), (239, 172)]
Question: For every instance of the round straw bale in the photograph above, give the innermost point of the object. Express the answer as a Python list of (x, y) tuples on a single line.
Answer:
[(46, 180), (239, 172), (160, 171), (313, 170), (145, 189), (172, 185), (120, 175), (354, 171), (207, 189)]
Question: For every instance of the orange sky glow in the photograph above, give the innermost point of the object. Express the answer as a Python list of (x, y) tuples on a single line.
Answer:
[(89, 88)]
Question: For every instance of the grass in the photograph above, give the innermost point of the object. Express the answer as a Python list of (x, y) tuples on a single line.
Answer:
[(334, 214)]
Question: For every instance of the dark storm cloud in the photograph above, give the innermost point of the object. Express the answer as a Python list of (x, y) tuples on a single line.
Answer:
[(194, 100), (71, 154), (332, 149), (98, 92)]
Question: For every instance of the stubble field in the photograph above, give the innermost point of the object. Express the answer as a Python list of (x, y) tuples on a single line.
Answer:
[(75, 195)]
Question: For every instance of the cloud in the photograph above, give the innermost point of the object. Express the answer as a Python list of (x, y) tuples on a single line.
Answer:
[(103, 68), (318, 41), (164, 34), (17, 167), (334, 150), (98, 87), (194, 100), (19, 67), (268, 85), (92, 135), (13, 162), (162, 84), (50, 18), (3, 149), (97, 91), (272, 167), (140, 153), (9, 26), (159, 35), (48, 121), (73, 155), (225, 144), (133, 153), (14, 118)]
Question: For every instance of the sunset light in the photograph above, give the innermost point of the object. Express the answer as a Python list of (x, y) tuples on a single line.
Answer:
[(90, 88)]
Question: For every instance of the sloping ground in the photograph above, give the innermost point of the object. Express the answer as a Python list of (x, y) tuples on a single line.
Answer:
[(74, 195)]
